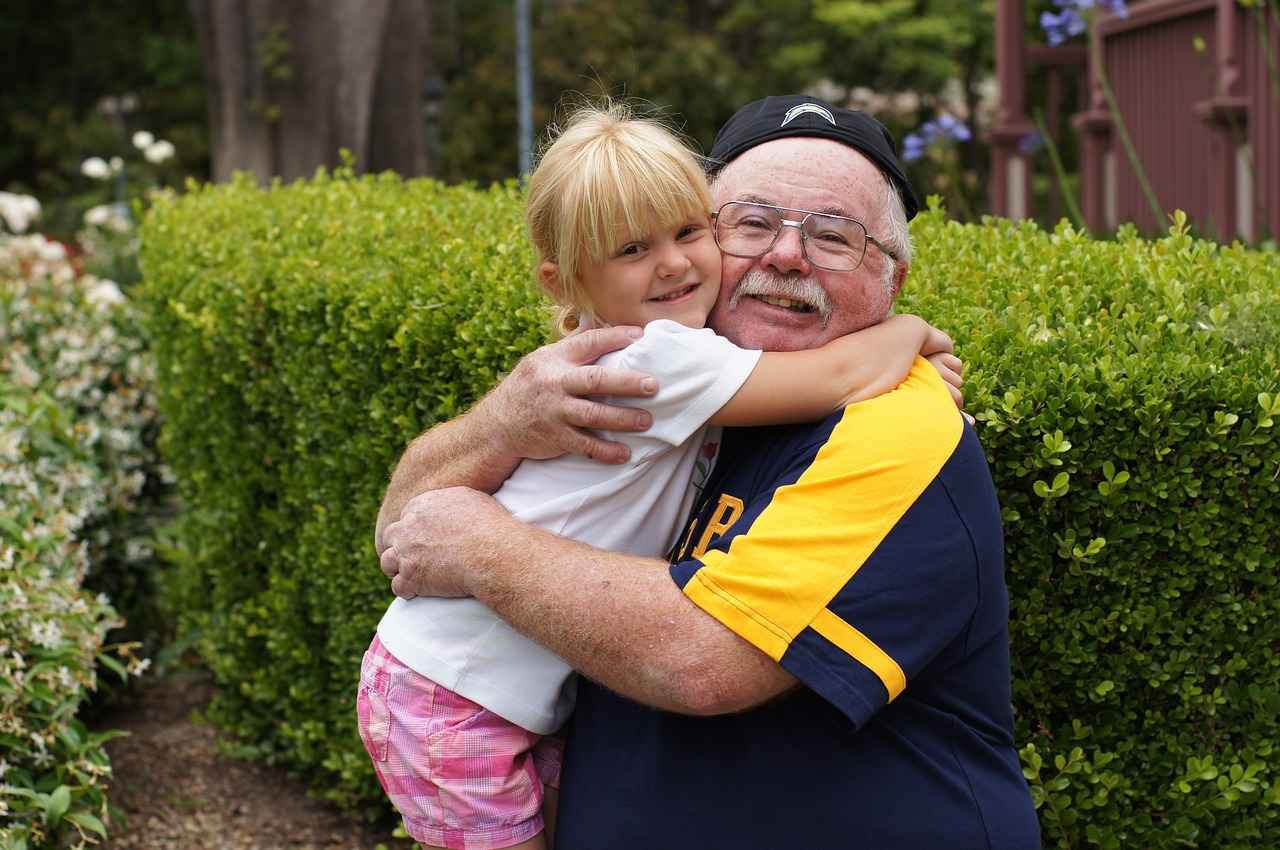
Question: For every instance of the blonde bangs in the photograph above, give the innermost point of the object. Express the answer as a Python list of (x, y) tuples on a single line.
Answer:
[(630, 189), (606, 180)]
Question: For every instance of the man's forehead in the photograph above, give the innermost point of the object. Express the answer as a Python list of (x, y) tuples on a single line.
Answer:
[(829, 209), (803, 173)]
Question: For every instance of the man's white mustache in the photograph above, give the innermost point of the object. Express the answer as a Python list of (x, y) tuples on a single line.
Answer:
[(806, 290)]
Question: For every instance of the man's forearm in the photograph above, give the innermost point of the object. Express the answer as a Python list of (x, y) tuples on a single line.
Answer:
[(621, 621), (458, 453)]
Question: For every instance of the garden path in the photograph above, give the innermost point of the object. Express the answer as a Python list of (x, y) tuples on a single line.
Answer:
[(178, 791)]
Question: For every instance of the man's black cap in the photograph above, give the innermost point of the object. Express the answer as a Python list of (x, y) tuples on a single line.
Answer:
[(800, 115)]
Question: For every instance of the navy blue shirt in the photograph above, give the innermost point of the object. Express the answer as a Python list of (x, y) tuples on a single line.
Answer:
[(865, 555)]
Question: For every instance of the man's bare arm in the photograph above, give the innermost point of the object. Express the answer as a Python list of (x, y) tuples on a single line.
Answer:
[(540, 410), (618, 619)]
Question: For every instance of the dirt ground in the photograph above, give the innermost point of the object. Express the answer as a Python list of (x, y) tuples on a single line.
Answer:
[(178, 791)]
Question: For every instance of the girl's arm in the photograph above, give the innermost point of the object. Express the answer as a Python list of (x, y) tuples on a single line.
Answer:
[(801, 386)]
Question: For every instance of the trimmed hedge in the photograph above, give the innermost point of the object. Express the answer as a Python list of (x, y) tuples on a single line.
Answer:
[(304, 336), (1126, 392)]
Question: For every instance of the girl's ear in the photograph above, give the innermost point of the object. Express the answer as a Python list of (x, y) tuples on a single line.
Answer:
[(549, 274)]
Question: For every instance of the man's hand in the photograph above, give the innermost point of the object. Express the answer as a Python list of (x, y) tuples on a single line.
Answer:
[(538, 412), (542, 409), (427, 547)]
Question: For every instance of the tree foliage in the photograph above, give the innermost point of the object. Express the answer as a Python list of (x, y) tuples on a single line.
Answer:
[(698, 59), (60, 58)]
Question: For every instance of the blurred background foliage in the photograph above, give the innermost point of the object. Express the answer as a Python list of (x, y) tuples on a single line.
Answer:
[(62, 61), (701, 59), (70, 67)]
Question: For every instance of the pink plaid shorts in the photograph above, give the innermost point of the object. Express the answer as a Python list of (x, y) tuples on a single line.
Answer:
[(461, 776)]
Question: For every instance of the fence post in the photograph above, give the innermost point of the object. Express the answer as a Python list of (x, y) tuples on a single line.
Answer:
[(1227, 116), (1010, 171)]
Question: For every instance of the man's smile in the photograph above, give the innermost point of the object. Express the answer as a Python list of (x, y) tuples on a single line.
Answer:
[(786, 303), (777, 298)]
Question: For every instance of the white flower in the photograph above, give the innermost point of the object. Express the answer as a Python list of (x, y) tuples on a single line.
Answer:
[(97, 216), (109, 217), (11, 449), (18, 210), (105, 294), (95, 167), (137, 550), (47, 634), (22, 374), (52, 252), (118, 439), (117, 164), (159, 152), (143, 140)]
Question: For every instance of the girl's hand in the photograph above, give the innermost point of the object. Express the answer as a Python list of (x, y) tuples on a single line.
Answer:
[(936, 342), (951, 368)]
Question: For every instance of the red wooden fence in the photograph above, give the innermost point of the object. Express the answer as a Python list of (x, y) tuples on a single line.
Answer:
[(1197, 85)]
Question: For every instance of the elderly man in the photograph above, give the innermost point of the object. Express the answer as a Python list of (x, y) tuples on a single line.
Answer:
[(825, 661)]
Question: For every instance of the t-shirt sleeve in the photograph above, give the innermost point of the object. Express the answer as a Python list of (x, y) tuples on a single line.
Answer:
[(697, 373), (856, 571)]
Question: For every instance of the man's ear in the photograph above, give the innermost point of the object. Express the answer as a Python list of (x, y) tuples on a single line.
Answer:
[(900, 270), (549, 274)]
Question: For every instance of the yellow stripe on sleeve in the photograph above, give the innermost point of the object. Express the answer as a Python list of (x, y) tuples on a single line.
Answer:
[(815, 534), (861, 647)]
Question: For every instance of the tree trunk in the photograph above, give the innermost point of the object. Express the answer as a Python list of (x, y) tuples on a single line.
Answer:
[(291, 82)]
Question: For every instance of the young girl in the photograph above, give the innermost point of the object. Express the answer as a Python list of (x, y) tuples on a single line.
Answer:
[(455, 707)]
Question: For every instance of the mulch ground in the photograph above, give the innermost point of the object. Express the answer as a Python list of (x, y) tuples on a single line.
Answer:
[(178, 791)]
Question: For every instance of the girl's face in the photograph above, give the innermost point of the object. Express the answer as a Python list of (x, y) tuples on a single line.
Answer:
[(672, 274)]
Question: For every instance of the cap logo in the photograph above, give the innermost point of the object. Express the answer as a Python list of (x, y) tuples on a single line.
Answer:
[(796, 111)]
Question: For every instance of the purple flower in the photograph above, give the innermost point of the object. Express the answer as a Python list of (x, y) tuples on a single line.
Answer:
[(1030, 143), (1061, 27), (930, 132), (1070, 22), (913, 146), (1115, 7)]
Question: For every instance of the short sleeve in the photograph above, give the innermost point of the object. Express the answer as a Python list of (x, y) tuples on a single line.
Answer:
[(697, 371), (856, 570)]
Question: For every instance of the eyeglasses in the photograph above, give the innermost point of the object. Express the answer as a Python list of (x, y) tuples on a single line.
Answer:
[(831, 242)]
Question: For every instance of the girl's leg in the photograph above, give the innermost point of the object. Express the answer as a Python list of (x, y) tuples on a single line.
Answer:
[(538, 842), (535, 843)]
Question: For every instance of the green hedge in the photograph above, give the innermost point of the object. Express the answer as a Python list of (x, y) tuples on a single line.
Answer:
[(1126, 392)]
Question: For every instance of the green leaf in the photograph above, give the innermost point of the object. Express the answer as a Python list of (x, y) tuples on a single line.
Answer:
[(57, 804), (89, 822), (114, 665)]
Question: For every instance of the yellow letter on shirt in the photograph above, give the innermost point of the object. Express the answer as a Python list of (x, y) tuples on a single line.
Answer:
[(722, 519)]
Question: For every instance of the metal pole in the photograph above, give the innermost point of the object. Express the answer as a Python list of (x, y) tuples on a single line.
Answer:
[(524, 86)]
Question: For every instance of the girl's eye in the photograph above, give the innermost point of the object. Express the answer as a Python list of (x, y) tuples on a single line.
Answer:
[(631, 249), (689, 230)]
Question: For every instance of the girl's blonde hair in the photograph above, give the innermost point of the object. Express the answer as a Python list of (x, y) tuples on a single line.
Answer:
[(606, 178)]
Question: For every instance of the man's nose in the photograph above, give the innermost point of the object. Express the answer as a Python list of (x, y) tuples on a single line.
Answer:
[(787, 254)]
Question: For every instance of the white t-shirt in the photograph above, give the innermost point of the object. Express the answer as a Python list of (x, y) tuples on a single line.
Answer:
[(634, 508)]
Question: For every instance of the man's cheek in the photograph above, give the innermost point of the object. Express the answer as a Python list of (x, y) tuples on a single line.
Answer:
[(731, 271)]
